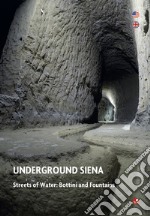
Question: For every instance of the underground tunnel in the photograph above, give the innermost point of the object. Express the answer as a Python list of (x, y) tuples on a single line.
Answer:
[(67, 67), (120, 88), (35, 96)]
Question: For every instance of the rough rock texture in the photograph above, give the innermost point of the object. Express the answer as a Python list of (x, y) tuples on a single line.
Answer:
[(120, 138), (52, 201), (56, 52), (42, 142), (56, 62), (46, 147), (9, 110), (142, 34)]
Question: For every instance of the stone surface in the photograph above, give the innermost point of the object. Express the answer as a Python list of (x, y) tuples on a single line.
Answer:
[(50, 201), (119, 138), (41, 142), (55, 55), (9, 110), (142, 35)]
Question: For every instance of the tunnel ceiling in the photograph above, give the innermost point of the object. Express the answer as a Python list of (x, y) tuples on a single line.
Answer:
[(117, 64)]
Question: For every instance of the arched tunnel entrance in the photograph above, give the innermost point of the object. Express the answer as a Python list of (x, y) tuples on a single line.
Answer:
[(120, 88)]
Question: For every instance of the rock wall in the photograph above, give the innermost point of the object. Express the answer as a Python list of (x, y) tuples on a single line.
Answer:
[(55, 55), (142, 34)]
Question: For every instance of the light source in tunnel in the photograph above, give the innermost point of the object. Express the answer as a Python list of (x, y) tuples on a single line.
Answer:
[(122, 92), (106, 111)]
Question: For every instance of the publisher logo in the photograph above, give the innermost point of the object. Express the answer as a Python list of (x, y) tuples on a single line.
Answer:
[(116, 199)]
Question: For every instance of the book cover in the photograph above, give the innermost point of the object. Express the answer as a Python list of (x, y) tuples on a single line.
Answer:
[(74, 107)]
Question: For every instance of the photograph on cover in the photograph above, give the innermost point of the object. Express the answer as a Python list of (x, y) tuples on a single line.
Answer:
[(74, 107)]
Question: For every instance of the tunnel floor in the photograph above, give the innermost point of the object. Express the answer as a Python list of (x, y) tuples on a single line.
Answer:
[(53, 140), (50, 142), (119, 137), (127, 145)]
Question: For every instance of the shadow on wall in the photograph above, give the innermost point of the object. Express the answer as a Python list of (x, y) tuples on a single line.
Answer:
[(8, 8)]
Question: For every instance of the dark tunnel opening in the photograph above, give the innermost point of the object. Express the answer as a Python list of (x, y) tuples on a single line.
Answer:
[(8, 8), (120, 88)]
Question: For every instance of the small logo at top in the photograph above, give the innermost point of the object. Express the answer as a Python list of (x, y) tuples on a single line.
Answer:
[(135, 24), (135, 200), (135, 14)]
